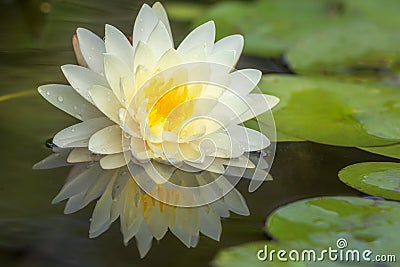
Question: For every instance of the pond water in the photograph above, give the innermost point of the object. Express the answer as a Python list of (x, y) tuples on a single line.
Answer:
[(35, 41)]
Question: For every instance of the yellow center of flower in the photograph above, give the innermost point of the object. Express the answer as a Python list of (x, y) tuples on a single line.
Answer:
[(164, 106)]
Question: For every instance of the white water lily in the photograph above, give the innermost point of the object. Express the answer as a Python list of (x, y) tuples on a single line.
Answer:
[(148, 105)]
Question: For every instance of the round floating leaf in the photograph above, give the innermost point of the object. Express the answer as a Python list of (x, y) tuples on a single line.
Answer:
[(270, 27), (392, 151), (382, 124), (341, 48), (320, 222), (327, 111), (374, 178)]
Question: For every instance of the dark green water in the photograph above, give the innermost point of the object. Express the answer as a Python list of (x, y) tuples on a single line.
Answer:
[(35, 41)]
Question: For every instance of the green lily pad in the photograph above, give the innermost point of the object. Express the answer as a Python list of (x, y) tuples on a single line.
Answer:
[(339, 49), (374, 178), (321, 222), (392, 151), (327, 111), (270, 27), (383, 124)]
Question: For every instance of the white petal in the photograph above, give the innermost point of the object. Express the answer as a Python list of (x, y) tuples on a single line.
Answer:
[(92, 48), (232, 42), (79, 183), (203, 35), (106, 101), (81, 154), (245, 80), (82, 79), (159, 41), (169, 59), (162, 16), (258, 104), (68, 100), (143, 56), (145, 23), (226, 58), (221, 145), (113, 161), (120, 78), (249, 139), (117, 44), (78, 135), (106, 141)]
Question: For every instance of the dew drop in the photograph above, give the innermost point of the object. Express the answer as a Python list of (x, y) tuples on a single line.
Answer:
[(92, 48), (72, 129), (60, 99), (79, 116), (140, 20), (75, 108), (47, 93)]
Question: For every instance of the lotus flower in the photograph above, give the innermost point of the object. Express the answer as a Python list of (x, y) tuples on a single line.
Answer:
[(161, 139)]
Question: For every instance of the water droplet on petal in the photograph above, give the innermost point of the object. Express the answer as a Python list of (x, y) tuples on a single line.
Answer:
[(75, 108), (79, 116), (72, 129), (60, 99), (47, 93)]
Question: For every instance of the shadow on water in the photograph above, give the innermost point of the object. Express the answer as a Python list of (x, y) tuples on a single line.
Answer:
[(35, 233)]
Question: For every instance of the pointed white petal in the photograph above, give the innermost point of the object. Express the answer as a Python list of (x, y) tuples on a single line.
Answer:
[(143, 56), (226, 58), (145, 23), (113, 161), (106, 141), (106, 101), (162, 16), (68, 100), (249, 139), (81, 79), (92, 48), (245, 80), (81, 154), (78, 135), (159, 41), (203, 35), (120, 78), (117, 44), (232, 42)]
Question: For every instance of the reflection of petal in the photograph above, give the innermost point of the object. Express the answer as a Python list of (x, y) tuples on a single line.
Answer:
[(79, 183), (55, 160)]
